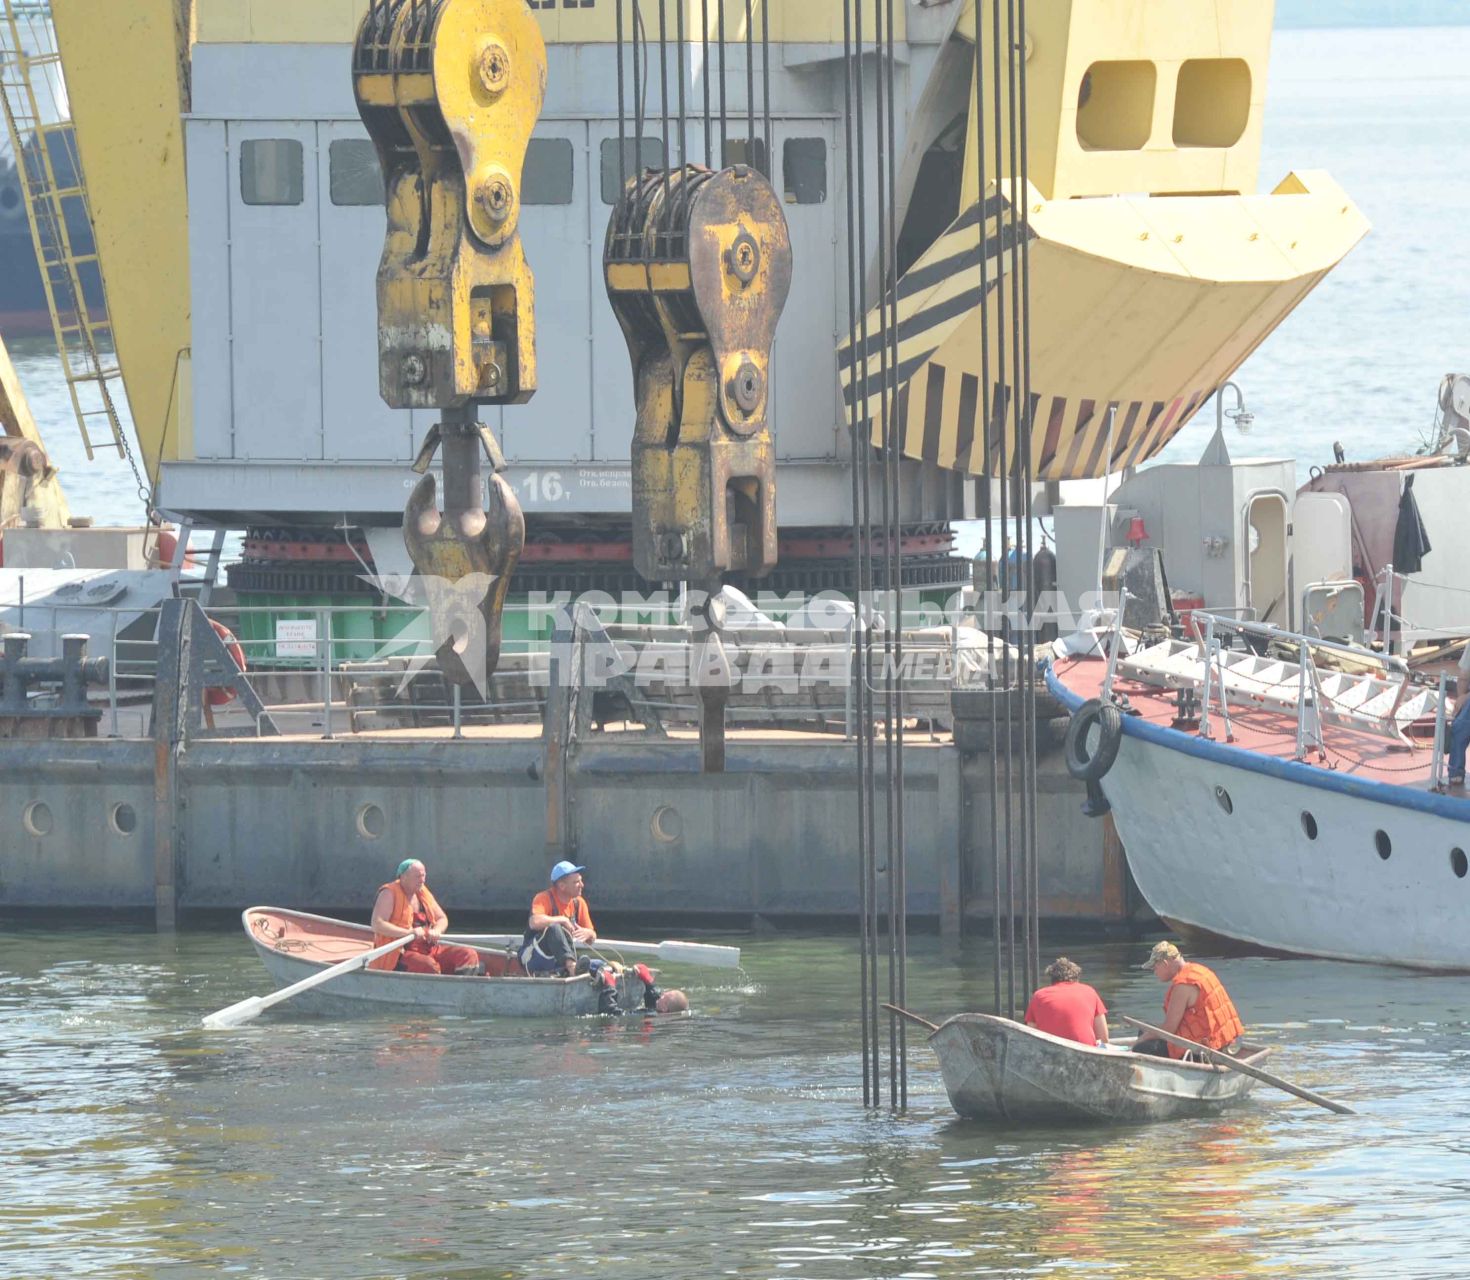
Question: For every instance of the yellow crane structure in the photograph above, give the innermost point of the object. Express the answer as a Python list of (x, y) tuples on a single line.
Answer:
[(33, 101), (30, 488), (1154, 268)]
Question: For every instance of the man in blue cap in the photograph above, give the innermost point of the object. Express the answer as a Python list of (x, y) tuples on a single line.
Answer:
[(559, 923)]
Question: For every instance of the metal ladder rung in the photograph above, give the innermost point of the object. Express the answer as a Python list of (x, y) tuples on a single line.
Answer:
[(1284, 693), (1380, 704), (54, 187), (1361, 703)]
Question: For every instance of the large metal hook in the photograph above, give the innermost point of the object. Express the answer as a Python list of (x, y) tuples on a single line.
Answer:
[(466, 553)]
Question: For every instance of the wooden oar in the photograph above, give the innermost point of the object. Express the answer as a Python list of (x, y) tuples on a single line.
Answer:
[(1225, 1060), (235, 1014), (912, 1017), (670, 952)]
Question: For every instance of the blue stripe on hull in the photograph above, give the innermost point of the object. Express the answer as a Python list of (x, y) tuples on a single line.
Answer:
[(1453, 807)]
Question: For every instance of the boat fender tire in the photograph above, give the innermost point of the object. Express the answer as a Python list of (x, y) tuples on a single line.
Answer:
[(1085, 762), (218, 697)]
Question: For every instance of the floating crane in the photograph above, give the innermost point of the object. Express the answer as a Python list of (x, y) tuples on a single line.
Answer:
[(697, 265)]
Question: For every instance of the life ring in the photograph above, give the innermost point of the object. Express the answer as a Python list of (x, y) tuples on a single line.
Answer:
[(1087, 762), (218, 697), (166, 547)]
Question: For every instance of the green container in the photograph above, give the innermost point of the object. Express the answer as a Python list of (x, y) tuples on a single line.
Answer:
[(349, 622), (363, 630)]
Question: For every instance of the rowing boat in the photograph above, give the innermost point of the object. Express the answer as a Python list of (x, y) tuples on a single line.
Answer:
[(996, 1069), (293, 945)]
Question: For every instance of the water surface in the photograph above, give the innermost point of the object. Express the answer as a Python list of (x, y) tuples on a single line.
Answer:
[(728, 1143)]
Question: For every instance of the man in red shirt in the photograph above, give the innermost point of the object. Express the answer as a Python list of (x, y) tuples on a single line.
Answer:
[(1068, 1008)]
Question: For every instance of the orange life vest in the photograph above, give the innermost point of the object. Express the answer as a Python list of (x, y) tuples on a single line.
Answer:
[(402, 916), (1211, 1020), (549, 903)]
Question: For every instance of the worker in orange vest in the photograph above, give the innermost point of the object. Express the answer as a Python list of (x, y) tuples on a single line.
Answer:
[(559, 922), (405, 905), (1196, 1006)]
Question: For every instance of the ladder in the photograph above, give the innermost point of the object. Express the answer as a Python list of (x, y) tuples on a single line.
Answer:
[(37, 118), (1381, 706)]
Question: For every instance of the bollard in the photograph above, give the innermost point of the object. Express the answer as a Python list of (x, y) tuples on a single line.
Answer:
[(13, 694), (73, 682)]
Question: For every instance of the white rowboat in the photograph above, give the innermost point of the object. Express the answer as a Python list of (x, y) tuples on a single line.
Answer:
[(293, 945), (996, 1069)]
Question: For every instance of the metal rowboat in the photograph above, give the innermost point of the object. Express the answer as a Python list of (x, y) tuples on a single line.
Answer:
[(293, 945), (996, 1069)]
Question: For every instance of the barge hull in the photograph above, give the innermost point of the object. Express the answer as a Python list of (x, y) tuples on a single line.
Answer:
[(318, 824)]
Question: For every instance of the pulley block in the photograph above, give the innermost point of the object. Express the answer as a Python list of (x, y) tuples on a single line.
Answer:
[(467, 552), (698, 267), (449, 91)]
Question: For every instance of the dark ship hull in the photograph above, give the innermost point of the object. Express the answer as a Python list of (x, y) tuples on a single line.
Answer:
[(23, 308)]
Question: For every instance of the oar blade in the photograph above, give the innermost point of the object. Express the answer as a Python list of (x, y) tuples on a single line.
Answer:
[(234, 1015), (699, 953)]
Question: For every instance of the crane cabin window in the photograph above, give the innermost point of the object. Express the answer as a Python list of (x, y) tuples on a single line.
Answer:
[(747, 151), (355, 176), (546, 177), (271, 171), (1212, 102), (804, 170), (634, 162), (1115, 106)]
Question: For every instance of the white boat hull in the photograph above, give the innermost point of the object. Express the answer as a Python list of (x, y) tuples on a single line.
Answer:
[(1256, 875)]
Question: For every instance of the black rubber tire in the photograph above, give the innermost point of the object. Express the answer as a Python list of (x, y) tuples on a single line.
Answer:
[(1088, 766)]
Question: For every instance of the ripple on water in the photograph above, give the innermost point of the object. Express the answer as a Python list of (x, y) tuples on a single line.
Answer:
[(726, 1144)]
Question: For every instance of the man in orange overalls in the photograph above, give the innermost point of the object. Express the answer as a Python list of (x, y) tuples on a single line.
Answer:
[(1196, 1006), (405, 905)]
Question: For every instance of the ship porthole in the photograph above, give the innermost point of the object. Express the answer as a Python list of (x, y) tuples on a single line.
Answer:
[(123, 819), (370, 822), (1222, 798), (667, 825), (9, 199), (1383, 844), (36, 819), (1309, 825), (1458, 863)]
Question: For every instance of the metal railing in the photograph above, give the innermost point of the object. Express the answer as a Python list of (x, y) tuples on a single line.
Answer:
[(1315, 705), (333, 660), (1397, 632)]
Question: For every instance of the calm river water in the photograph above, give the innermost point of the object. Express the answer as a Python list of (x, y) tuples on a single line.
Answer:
[(728, 1143)]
